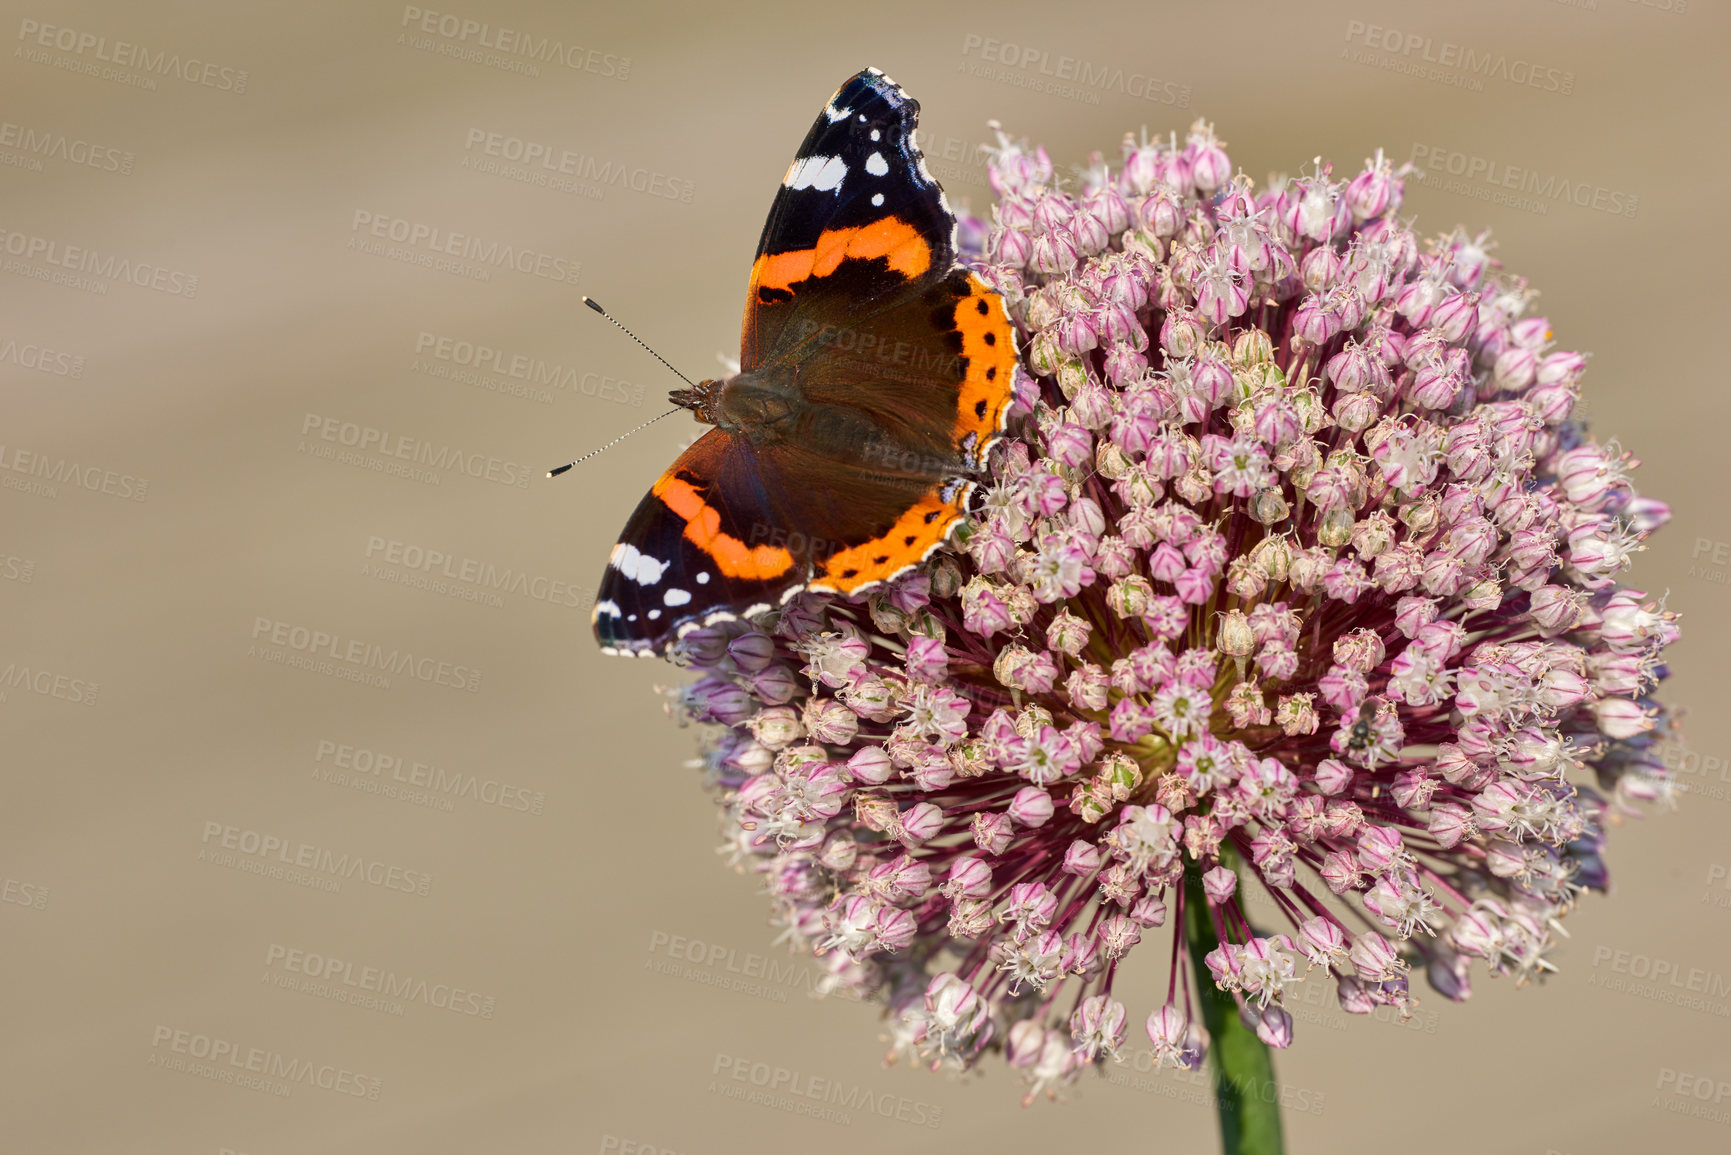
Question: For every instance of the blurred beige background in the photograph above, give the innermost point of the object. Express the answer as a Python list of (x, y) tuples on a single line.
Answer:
[(258, 261)]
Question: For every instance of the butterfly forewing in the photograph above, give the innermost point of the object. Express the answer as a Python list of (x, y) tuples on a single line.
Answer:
[(856, 194)]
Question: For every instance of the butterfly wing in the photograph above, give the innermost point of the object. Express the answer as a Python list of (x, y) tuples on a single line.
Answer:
[(733, 529), (904, 363), (934, 370), (857, 192), (700, 547)]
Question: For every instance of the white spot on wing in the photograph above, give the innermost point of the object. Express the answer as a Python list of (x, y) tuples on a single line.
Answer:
[(823, 173), (611, 609), (653, 614), (835, 113), (877, 198), (876, 134), (876, 164), (676, 597), (638, 566), (703, 579)]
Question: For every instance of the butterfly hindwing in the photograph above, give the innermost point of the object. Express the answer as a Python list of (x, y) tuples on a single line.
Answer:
[(704, 544), (733, 529), (935, 370)]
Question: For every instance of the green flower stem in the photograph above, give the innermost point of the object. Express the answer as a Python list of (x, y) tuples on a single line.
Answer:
[(1244, 1089)]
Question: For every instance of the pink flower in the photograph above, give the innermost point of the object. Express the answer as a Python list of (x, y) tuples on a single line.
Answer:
[(1297, 576)]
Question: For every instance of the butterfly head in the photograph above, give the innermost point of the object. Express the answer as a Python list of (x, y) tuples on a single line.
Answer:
[(759, 403), (700, 399)]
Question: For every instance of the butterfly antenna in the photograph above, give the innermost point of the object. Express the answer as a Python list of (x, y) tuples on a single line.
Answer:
[(590, 301), (610, 444), (596, 305)]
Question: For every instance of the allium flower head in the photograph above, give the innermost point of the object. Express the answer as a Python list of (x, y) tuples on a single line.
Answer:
[(1295, 576)]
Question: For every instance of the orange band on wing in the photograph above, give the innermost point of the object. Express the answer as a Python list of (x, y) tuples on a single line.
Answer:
[(909, 540), (732, 557), (989, 344), (908, 254)]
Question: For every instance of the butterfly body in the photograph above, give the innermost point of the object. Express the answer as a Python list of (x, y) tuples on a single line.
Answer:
[(875, 373)]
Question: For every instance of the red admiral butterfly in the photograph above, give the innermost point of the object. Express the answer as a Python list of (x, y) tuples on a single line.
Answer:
[(875, 372)]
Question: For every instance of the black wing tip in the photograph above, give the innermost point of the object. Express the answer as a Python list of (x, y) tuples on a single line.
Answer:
[(876, 81)]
